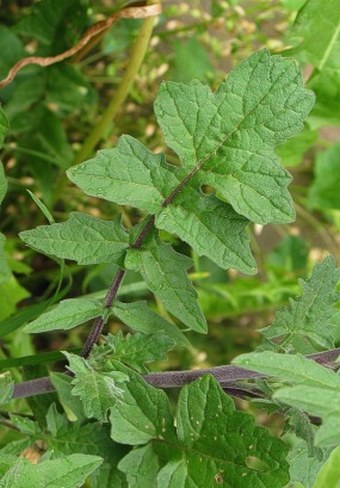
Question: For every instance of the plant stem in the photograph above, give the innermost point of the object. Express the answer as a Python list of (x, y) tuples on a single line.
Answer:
[(225, 375), (111, 294), (136, 58)]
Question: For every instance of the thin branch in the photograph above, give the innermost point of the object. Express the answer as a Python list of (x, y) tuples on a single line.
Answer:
[(225, 375), (135, 60), (111, 294)]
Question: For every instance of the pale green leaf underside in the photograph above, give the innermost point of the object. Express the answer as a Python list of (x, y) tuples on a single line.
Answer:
[(141, 318), (293, 369), (315, 389), (329, 475), (98, 391), (320, 402), (66, 315), (213, 444), (229, 137), (164, 272), (305, 325), (68, 472), (81, 238)]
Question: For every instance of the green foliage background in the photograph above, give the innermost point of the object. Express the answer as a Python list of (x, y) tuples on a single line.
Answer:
[(49, 114)]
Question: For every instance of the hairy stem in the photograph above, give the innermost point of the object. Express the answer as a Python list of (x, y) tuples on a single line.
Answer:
[(225, 375), (135, 60), (99, 322)]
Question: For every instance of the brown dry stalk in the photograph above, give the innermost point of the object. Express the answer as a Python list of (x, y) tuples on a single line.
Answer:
[(93, 32)]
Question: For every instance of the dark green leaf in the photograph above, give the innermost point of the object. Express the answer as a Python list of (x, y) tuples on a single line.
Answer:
[(92, 438), (215, 444)]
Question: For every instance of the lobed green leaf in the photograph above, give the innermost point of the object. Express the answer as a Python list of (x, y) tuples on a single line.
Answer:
[(228, 138), (213, 444)]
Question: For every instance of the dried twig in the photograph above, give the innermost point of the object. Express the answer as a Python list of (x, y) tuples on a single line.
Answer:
[(94, 31)]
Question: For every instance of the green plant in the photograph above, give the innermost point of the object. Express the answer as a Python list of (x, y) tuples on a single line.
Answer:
[(106, 421)]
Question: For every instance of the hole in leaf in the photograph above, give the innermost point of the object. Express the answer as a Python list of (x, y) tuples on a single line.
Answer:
[(253, 462), (207, 190)]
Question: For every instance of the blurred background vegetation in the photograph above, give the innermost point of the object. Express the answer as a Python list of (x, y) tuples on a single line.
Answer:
[(53, 110)]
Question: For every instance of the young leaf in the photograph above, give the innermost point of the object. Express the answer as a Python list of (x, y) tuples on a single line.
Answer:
[(164, 272), (214, 443), (317, 389), (82, 238), (228, 138), (6, 387), (98, 391), (138, 349), (306, 326), (68, 472), (329, 474), (141, 318), (318, 401), (211, 227), (66, 315)]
